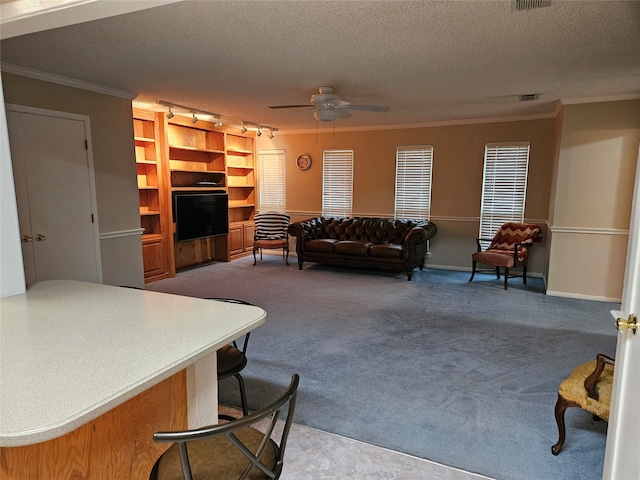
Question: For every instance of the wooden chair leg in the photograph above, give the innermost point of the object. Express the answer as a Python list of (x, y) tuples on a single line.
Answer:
[(473, 269), (524, 275), (506, 277), (561, 405), (286, 258), (498, 273), (254, 255)]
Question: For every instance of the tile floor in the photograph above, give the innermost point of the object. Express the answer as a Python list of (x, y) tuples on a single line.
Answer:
[(316, 455)]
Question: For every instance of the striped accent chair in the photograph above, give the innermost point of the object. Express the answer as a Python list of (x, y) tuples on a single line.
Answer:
[(509, 248), (271, 233)]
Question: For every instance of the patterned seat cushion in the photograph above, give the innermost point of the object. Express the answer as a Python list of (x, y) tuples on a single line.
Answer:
[(510, 234), (573, 389), (271, 226)]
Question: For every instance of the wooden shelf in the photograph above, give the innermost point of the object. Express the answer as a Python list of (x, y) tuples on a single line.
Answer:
[(155, 208), (194, 149), (239, 152)]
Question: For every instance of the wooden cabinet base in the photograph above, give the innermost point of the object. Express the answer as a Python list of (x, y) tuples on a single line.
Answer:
[(118, 444)]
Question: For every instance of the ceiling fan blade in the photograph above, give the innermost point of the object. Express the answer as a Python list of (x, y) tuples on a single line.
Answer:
[(293, 106), (342, 113), (368, 108)]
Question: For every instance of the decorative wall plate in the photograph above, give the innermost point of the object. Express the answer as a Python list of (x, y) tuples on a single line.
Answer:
[(303, 162)]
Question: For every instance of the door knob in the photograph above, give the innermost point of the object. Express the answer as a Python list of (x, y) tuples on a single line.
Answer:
[(26, 238), (40, 237), (630, 324)]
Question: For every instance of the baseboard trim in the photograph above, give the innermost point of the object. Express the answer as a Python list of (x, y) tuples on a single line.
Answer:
[(468, 270), (580, 296)]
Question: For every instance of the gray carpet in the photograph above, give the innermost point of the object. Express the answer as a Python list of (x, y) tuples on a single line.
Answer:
[(464, 374)]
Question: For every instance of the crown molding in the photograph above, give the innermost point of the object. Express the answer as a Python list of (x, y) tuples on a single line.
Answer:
[(442, 123), (66, 81), (610, 98)]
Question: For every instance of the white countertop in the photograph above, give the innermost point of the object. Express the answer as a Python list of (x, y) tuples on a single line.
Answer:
[(70, 351)]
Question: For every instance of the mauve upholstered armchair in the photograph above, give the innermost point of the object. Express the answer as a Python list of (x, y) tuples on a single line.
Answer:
[(509, 248)]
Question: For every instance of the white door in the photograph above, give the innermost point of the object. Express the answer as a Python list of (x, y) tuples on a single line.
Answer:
[(622, 460), (55, 196)]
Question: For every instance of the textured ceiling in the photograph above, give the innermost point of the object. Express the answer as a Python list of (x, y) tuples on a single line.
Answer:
[(429, 61)]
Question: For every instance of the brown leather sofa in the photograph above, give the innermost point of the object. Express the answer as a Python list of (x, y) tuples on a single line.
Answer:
[(376, 243)]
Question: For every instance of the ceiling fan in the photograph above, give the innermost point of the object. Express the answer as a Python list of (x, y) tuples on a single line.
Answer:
[(328, 106)]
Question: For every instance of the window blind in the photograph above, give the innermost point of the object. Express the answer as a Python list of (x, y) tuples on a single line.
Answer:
[(271, 181), (337, 183), (413, 182), (504, 185)]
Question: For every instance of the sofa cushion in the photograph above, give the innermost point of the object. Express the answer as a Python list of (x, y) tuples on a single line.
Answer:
[(320, 245), (389, 250), (354, 248)]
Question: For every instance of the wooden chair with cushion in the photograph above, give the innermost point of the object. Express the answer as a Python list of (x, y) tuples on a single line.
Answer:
[(271, 232), (588, 387), (509, 248), (233, 450), (231, 359)]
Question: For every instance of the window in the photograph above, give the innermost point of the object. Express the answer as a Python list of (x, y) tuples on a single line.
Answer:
[(504, 185), (271, 185), (413, 182), (337, 183)]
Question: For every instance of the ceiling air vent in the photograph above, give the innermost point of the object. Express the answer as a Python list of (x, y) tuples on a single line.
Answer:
[(528, 97), (529, 4)]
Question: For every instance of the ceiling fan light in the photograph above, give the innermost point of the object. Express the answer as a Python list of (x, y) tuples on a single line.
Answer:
[(326, 114)]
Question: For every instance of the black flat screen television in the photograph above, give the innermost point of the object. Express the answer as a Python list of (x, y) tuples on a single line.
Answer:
[(199, 215)]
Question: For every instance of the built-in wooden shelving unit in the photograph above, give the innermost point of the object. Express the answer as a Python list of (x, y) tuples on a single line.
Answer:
[(153, 196), (175, 156)]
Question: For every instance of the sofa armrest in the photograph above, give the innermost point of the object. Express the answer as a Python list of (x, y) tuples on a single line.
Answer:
[(304, 230), (415, 241)]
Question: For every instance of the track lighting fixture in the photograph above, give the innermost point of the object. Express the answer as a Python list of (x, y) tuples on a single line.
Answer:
[(216, 118), (258, 128)]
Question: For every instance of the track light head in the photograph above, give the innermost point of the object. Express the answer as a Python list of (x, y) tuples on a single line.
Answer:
[(244, 128), (273, 134), (171, 114), (194, 119), (219, 122), (259, 131)]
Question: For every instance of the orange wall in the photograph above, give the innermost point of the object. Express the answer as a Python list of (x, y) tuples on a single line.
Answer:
[(457, 176)]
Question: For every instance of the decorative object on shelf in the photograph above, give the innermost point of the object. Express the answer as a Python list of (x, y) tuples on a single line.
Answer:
[(303, 161)]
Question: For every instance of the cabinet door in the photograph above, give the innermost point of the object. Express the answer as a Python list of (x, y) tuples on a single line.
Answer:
[(153, 256), (249, 233), (236, 240)]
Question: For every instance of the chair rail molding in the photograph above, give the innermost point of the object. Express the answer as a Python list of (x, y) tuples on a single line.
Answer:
[(121, 233), (589, 231)]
